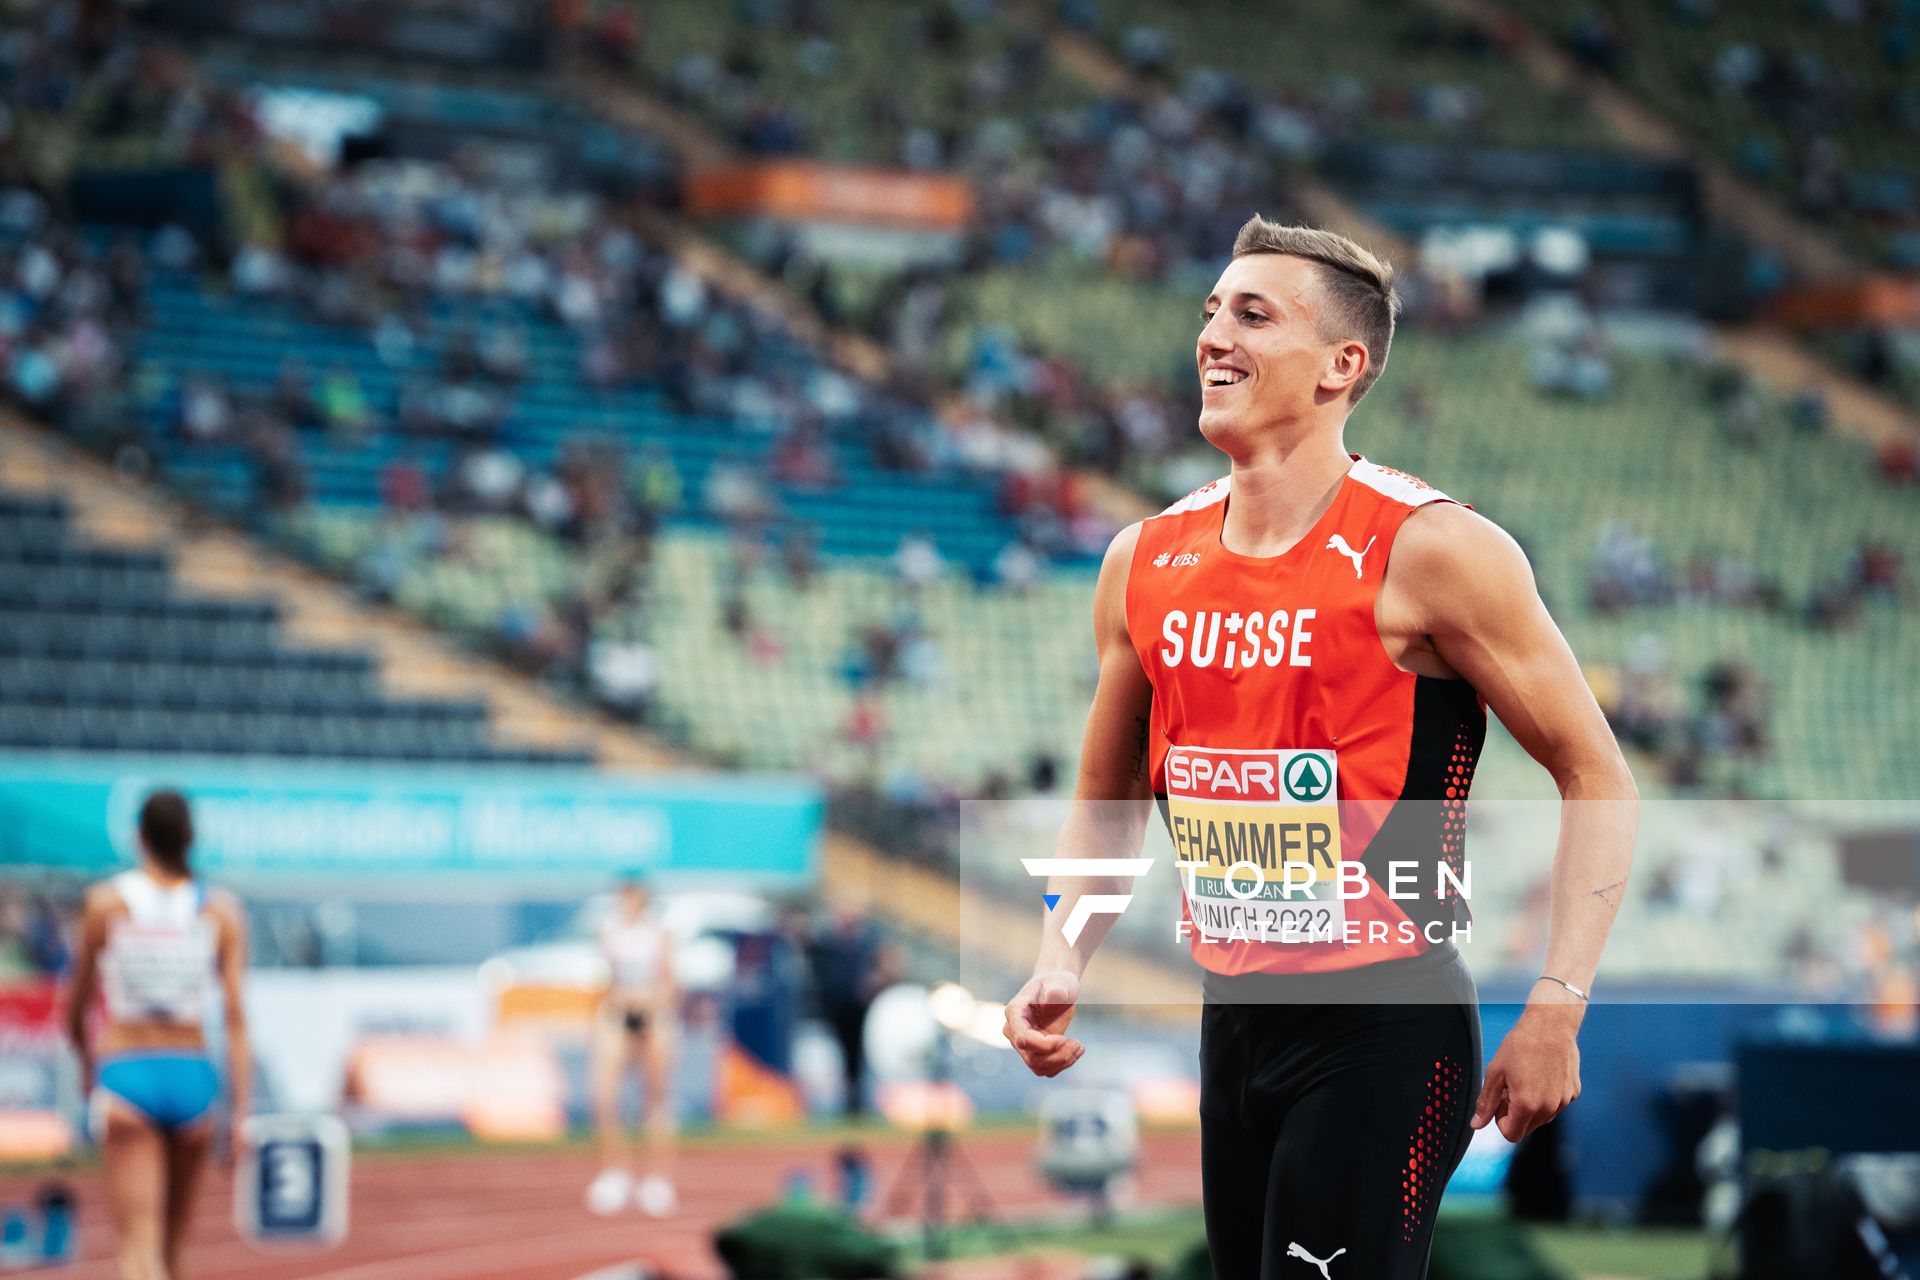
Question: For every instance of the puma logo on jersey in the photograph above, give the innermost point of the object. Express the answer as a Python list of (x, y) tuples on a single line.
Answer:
[(1295, 1251), (1338, 543)]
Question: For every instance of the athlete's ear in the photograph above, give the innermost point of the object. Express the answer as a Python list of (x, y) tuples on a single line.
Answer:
[(1345, 366)]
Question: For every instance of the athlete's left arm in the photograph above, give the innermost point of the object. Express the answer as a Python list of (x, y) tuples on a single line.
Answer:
[(1470, 592), (231, 919)]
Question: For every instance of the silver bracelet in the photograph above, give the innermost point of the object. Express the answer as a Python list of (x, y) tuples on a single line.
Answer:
[(1547, 977)]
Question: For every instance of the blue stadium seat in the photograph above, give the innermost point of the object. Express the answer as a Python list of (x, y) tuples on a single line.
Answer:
[(99, 653)]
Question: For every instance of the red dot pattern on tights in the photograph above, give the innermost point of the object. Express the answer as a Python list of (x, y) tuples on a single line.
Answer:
[(1453, 810), (1425, 1173)]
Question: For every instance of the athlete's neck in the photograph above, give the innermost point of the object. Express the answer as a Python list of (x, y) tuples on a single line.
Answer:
[(160, 875), (1276, 497)]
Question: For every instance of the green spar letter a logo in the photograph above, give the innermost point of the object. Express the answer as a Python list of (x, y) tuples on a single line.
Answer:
[(1307, 779)]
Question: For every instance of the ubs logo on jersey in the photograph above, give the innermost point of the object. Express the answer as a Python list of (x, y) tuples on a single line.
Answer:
[(1181, 561), (1229, 640)]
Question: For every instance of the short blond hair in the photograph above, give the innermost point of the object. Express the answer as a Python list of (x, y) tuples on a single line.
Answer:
[(1361, 302)]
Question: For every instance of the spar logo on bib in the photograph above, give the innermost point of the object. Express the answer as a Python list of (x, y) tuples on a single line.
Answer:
[(1307, 779)]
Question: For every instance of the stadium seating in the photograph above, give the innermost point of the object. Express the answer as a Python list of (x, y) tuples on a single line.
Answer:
[(1437, 132), (1005, 680), (996, 104), (1403, 72), (1408, 81), (1396, 62), (847, 88), (245, 344), (1655, 457), (98, 652), (444, 115), (1757, 81)]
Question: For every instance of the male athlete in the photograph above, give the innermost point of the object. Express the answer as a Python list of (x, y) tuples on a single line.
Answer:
[(1318, 625)]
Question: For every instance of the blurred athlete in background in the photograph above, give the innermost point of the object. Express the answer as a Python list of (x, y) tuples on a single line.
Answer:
[(1318, 630), (161, 947), (635, 1027)]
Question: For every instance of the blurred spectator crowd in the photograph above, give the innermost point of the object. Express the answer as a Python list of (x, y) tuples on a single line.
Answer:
[(36, 925), (1819, 99), (1145, 187)]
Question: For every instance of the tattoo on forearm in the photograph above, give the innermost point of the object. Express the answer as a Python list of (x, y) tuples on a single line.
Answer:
[(1140, 749), (1612, 893)]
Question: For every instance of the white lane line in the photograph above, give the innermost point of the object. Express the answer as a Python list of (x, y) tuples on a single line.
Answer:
[(485, 1259), (620, 1271)]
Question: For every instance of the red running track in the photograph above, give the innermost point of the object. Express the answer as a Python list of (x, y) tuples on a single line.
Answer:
[(521, 1216)]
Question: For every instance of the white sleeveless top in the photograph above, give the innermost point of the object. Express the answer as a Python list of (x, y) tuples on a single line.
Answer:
[(158, 964), (633, 949)]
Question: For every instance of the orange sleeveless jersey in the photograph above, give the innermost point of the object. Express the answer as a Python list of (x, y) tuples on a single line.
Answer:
[(1284, 737)]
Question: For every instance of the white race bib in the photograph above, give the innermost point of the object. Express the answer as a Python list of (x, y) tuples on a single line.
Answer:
[(1256, 835), (158, 973)]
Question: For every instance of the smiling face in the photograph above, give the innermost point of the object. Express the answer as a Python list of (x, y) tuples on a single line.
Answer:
[(1262, 357)]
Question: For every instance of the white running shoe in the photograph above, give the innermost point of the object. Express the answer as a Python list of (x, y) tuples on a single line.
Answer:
[(656, 1197), (608, 1193)]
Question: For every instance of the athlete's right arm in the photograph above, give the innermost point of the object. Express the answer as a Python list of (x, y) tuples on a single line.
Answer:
[(1112, 803), (80, 987)]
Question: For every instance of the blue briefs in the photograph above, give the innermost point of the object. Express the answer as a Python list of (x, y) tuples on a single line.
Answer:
[(172, 1090)]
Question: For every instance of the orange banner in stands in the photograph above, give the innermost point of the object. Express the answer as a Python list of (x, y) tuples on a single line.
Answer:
[(796, 191), (1876, 300)]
